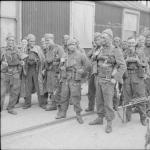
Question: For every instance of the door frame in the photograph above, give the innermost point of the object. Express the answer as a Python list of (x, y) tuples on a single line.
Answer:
[(71, 16)]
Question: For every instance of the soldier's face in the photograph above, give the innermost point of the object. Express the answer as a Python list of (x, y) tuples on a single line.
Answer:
[(24, 43), (31, 42), (131, 44), (97, 41), (49, 42), (71, 48), (141, 41), (43, 44), (11, 42), (105, 39), (124, 45), (117, 42), (147, 41)]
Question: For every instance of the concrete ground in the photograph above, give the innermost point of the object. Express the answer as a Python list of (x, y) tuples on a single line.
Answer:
[(69, 134)]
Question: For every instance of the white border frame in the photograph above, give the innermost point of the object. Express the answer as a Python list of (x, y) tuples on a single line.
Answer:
[(131, 12), (71, 16)]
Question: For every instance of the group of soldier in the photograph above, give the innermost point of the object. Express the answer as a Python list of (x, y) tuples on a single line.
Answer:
[(56, 73)]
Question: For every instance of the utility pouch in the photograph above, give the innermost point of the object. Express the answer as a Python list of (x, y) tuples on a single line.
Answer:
[(141, 72)]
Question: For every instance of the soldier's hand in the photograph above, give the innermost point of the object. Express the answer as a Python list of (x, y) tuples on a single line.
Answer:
[(4, 64), (113, 81), (43, 72)]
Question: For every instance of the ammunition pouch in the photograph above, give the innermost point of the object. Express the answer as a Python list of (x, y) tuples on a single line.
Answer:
[(141, 72)]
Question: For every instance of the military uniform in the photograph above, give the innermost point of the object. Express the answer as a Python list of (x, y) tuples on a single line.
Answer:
[(53, 56), (106, 60), (71, 74), (134, 86), (91, 80), (10, 76), (34, 81), (147, 81)]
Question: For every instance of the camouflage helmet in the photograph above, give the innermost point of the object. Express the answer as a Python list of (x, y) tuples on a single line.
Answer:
[(109, 32)]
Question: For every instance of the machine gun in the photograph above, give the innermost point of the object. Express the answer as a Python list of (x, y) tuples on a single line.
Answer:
[(133, 102)]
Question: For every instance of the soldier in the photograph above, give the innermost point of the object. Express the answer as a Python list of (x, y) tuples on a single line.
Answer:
[(91, 80), (107, 60), (24, 56), (43, 44), (10, 73), (34, 80), (71, 70), (147, 54), (65, 39), (117, 42), (54, 52), (133, 86), (78, 46)]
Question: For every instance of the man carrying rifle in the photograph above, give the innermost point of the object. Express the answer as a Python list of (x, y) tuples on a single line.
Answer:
[(134, 86), (106, 60), (72, 68)]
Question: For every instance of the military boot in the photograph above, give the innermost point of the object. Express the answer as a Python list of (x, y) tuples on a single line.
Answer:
[(60, 113), (98, 120), (89, 109), (79, 119), (11, 111), (108, 128), (51, 107), (143, 120)]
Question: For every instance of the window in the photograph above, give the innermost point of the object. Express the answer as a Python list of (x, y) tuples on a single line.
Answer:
[(82, 22), (9, 20), (130, 23)]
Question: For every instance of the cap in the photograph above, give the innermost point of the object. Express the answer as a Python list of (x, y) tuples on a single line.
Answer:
[(109, 32)]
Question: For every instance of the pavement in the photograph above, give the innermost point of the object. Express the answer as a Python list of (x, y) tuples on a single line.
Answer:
[(68, 134), (72, 135)]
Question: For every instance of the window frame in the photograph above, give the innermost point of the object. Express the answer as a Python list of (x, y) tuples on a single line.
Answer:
[(17, 18), (133, 12)]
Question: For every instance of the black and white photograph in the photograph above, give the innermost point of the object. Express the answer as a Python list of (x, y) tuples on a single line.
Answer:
[(75, 75)]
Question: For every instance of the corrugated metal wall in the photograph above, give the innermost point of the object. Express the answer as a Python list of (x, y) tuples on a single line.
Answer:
[(145, 19), (40, 17), (105, 14)]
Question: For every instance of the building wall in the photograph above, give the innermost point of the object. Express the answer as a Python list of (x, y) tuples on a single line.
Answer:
[(40, 17), (145, 19), (107, 13)]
